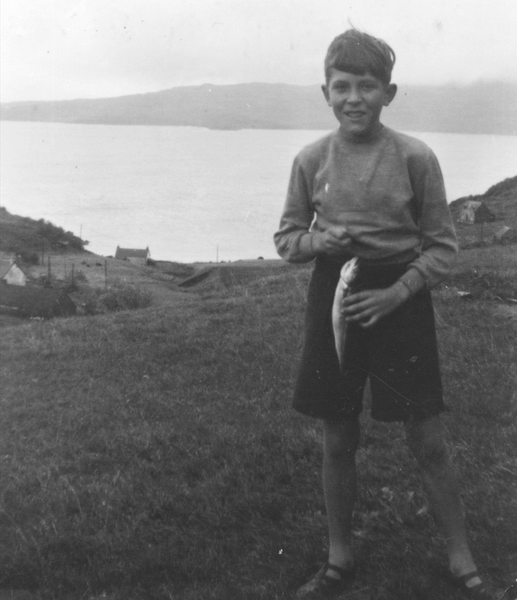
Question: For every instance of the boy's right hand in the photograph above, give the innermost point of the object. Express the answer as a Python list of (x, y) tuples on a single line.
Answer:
[(335, 241)]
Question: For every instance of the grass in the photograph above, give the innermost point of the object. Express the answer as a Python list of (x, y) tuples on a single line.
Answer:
[(153, 454), (119, 296), (487, 273)]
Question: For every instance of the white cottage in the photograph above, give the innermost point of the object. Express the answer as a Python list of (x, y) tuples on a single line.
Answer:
[(15, 275), (475, 211), (136, 256)]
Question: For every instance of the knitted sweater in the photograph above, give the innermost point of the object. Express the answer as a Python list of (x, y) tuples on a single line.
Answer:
[(387, 191)]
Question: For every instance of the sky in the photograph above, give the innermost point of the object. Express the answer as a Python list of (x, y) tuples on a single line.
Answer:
[(64, 49)]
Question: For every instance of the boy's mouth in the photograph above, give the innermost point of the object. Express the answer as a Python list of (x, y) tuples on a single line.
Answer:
[(354, 114)]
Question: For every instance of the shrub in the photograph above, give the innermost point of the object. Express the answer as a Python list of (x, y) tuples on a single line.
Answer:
[(29, 258), (80, 277), (124, 297), (119, 296)]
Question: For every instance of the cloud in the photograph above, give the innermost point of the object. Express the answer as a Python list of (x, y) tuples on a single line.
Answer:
[(89, 48)]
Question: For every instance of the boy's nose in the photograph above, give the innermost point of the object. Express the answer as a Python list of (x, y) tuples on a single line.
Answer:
[(354, 96)]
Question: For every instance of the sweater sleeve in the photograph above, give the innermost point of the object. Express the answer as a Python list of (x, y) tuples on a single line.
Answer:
[(293, 238), (439, 245)]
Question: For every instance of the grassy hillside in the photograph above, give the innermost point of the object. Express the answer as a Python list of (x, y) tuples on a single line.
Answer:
[(153, 454), (29, 238)]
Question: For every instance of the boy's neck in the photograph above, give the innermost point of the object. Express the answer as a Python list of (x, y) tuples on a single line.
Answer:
[(362, 139)]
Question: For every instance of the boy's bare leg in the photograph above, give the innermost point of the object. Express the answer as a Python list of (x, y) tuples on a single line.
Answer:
[(340, 487), (426, 440)]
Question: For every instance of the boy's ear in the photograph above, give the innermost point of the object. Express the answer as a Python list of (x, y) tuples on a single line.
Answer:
[(325, 90), (391, 91)]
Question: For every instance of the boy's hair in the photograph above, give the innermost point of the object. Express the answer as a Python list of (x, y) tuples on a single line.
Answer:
[(359, 53)]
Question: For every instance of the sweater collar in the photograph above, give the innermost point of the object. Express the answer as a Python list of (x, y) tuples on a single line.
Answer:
[(368, 139)]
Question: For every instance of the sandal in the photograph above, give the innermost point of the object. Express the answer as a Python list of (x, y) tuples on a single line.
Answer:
[(480, 591), (511, 592), (325, 586)]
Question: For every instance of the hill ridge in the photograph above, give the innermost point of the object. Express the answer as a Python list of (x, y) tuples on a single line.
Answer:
[(28, 238), (446, 108)]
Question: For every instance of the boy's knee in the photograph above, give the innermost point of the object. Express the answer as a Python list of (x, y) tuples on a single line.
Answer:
[(341, 440), (433, 456), (426, 441)]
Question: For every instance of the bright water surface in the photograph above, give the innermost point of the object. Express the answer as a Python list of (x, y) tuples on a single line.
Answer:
[(190, 194)]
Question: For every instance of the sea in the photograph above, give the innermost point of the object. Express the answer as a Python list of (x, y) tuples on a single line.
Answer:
[(189, 194)]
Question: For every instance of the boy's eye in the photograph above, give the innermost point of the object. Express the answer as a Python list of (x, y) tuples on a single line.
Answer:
[(342, 88)]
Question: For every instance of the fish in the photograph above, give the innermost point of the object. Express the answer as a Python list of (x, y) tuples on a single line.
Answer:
[(347, 276)]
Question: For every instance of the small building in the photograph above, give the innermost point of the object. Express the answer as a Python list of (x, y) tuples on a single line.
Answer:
[(15, 275), (475, 211), (505, 235), (133, 255)]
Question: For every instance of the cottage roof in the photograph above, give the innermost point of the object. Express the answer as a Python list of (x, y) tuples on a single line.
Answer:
[(131, 253), (14, 265), (474, 204)]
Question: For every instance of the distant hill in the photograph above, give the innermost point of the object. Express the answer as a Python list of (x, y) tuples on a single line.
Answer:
[(482, 107), (29, 238)]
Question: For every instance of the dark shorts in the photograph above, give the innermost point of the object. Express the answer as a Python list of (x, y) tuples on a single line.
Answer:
[(398, 355)]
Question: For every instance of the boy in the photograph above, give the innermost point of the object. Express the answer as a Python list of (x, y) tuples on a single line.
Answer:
[(367, 191)]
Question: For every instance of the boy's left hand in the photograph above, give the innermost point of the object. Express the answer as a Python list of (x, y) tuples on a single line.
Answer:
[(369, 306)]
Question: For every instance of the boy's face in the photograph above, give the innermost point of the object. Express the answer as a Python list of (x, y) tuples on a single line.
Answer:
[(357, 101)]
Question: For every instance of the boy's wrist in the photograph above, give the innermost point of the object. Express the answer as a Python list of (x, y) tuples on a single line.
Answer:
[(412, 280), (402, 290)]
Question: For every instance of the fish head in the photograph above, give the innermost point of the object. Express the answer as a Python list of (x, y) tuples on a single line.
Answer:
[(349, 271)]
